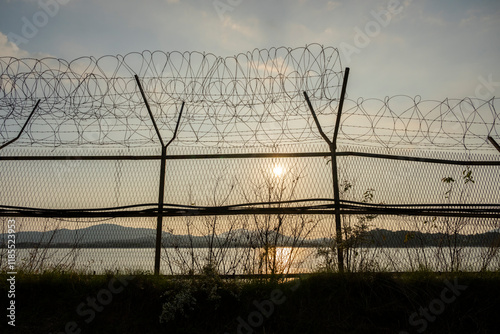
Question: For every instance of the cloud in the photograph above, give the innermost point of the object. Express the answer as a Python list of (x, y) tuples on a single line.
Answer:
[(246, 28), (331, 5), (474, 18), (433, 20), (9, 49)]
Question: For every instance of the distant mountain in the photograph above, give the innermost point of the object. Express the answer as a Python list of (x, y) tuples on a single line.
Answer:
[(103, 235), (386, 238), (117, 236)]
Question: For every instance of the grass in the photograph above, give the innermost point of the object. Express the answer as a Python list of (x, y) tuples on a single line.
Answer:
[(318, 303)]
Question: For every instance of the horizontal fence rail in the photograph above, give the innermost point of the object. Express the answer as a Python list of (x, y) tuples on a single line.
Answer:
[(258, 155), (171, 210)]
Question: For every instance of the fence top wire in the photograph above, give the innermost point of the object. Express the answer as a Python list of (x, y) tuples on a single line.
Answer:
[(252, 99)]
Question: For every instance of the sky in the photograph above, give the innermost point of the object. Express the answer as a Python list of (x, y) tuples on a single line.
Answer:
[(435, 49)]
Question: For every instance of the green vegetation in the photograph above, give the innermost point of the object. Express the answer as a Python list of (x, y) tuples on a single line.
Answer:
[(207, 303)]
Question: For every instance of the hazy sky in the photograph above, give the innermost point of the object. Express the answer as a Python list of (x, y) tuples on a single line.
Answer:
[(436, 49)]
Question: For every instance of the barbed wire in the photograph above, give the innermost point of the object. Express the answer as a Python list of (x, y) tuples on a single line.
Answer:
[(248, 100), (400, 121)]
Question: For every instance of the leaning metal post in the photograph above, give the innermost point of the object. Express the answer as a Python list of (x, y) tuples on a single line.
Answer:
[(161, 191), (24, 126), (494, 143), (333, 150)]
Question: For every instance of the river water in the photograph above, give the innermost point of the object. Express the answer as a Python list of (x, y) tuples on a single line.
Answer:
[(248, 260)]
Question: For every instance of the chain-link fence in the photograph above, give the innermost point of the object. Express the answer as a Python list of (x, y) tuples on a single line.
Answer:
[(225, 163), (249, 238)]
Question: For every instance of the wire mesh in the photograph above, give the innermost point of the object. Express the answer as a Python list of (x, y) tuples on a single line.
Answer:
[(233, 243), (248, 183), (406, 242)]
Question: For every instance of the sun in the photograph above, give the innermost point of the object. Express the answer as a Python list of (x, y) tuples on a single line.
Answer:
[(278, 170)]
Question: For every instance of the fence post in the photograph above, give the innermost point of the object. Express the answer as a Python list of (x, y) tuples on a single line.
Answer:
[(338, 218), (333, 150), (336, 190), (159, 219), (161, 191)]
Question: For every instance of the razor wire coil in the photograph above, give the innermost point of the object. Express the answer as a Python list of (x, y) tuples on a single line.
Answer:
[(248, 100)]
